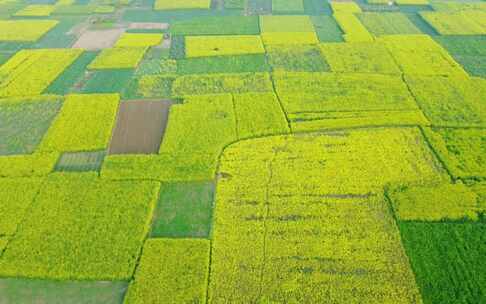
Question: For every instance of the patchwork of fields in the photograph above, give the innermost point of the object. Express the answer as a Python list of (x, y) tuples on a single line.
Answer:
[(243, 151)]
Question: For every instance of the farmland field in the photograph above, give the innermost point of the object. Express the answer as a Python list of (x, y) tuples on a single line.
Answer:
[(242, 151)]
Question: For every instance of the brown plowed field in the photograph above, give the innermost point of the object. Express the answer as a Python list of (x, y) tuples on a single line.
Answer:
[(140, 127)]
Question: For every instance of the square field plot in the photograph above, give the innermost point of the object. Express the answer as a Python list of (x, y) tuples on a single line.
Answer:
[(84, 123), (118, 58), (202, 46), (462, 150), (181, 4), (25, 30), (82, 228), (140, 127), (24, 123), (171, 271), (184, 210), (96, 40)]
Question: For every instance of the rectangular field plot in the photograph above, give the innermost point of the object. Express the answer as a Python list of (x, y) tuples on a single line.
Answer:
[(315, 101), (380, 24), (139, 40), (36, 164), (296, 58), (287, 6), (177, 5), (184, 210), (204, 84), (105, 81), (26, 72), (282, 232), (443, 202), (327, 29), (421, 55), (223, 64), (80, 161), (448, 260), (201, 46), (118, 58), (286, 24), (457, 23), (452, 101), (462, 150), (359, 57), (96, 40), (25, 30), (469, 51), (140, 127), (354, 30), (79, 229), (171, 271), (84, 123), (50, 291), (24, 122), (259, 114), (220, 25)]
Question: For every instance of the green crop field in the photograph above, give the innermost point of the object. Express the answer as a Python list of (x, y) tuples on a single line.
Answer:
[(242, 152)]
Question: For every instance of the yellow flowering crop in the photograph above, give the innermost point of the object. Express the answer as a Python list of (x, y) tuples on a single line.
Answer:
[(29, 72), (118, 58), (25, 30)]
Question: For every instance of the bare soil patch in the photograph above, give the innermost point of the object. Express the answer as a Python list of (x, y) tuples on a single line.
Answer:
[(140, 127), (99, 39)]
